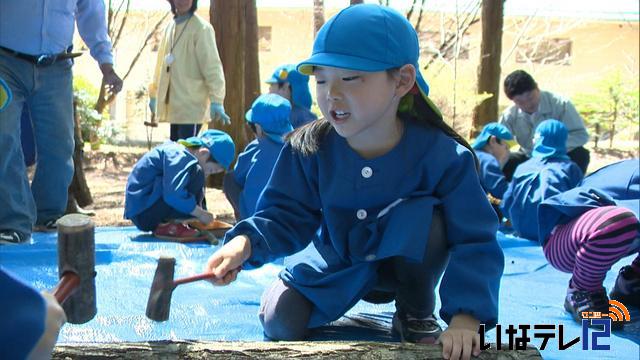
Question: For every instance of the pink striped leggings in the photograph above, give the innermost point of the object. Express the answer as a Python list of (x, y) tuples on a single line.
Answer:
[(588, 245)]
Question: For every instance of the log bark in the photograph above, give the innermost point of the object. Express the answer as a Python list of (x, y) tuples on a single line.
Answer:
[(489, 67), (268, 350), (76, 253)]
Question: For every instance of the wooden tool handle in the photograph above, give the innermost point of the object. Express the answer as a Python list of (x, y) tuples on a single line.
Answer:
[(68, 284), (153, 122), (193, 278)]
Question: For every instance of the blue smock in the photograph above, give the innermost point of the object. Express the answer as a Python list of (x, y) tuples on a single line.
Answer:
[(368, 210), (301, 115), (491, 176), (22, 317), (534, 181), (252, 172), (616, 184), (164, 172)]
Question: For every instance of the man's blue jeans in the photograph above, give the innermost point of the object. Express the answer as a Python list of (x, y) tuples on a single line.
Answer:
[(48, 93)]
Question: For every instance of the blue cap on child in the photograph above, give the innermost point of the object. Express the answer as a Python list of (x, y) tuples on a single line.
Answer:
[(300, 94), (367, 37), (5, 94), (271, 112), (550, 140), (491, 129), (219, 143)]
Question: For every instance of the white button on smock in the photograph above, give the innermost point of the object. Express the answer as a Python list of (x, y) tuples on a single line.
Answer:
[(361, 214), (366, 172)]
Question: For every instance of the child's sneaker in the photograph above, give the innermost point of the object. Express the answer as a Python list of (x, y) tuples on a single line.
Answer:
[(627, 287), (177, 231), (11, 237), (424, 331), (579, 301)]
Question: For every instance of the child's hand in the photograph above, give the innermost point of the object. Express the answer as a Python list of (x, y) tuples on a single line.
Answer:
[(461, 339), (55, 318), (226, 262), (203, 215)]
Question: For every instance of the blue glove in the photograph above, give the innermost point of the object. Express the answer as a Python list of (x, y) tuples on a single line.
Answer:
[(152, 105), (216, 112)]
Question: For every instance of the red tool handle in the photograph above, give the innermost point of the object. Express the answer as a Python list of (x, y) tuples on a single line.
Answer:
[(68, 284), (198, 277), (193, 278)]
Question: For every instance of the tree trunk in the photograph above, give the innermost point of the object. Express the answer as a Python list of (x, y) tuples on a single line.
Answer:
[(79, 192), (269, 350), (356, 2), (236, 25), (318, 16), (252, 63), (489, 68)]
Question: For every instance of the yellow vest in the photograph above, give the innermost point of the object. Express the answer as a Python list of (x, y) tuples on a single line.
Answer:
[(195, 77)]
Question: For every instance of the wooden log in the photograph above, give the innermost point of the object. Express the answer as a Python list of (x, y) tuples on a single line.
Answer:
[(269, 350), (76, 253)]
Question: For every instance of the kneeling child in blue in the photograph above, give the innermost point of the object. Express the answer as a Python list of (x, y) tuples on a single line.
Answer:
[(269, 118), (492, 148), (167, 183), (388, 186), (548, 172), (289, 83)]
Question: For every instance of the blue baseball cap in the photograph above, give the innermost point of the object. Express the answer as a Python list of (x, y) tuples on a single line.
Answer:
[(492, 129), (550, 140), (5, 94), (367, 37), (219, 143), (271, 112), (300, 94)]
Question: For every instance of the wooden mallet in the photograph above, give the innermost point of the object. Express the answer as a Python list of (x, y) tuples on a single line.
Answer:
[(76, 291), (159, 301)]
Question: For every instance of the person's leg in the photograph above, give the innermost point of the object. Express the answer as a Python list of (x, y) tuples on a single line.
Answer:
[(183, 131), (26, 137), (515, 158), (51, 108), (18, 211), (587, 246), (284, 312), (232, 191), (581, 157), (416, 282)]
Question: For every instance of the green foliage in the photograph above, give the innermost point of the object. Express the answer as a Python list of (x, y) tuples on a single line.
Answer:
[(95, 127), (611, 106)]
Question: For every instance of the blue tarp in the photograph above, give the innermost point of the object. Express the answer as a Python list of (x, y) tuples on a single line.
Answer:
[(532, 292)]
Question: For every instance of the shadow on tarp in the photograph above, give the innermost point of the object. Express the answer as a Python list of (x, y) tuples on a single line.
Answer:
[(532, 292)]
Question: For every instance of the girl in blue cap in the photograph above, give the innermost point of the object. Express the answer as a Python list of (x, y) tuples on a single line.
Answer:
[(548, 172), (492, 148), (269, 119), (373, 199), (167, 184), (289, 83), (584, 231)]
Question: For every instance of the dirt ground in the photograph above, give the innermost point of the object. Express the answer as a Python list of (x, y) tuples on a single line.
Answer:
[(107, 170)]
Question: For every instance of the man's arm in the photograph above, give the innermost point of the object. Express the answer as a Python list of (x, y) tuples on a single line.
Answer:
[(578, 134), (92, 26)]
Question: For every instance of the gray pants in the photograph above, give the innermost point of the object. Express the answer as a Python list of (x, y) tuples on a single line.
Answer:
[(284, 312)]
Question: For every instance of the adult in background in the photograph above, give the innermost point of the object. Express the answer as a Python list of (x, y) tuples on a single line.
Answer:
[(531, 106), (35, 61), (188, 77)]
